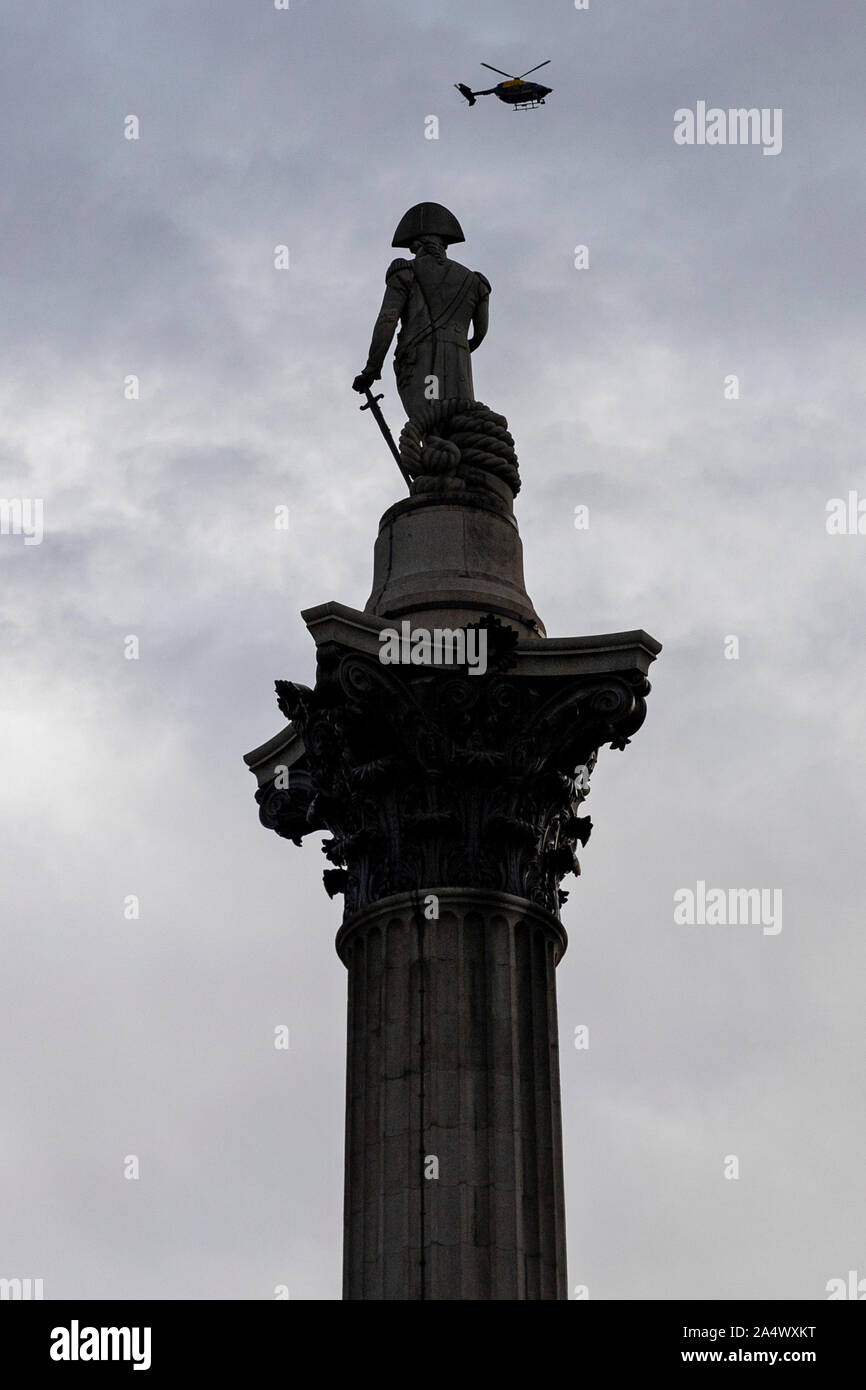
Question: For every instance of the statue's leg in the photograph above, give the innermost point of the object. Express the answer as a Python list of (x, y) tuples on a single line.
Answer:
[(414, 380), (463, 372), (405, 394)]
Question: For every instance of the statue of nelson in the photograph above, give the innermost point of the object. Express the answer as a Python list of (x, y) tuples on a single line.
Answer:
[(436, 301)]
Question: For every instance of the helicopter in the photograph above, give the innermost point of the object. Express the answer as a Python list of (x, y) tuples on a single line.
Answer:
[(523, 96)]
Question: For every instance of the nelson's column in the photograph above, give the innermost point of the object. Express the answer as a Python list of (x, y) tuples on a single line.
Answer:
[(451, 796)]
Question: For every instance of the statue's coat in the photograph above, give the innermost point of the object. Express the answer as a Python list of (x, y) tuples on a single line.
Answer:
[(435, 302)]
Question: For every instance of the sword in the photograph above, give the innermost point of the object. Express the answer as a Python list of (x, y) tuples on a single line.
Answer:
[(373, 405)]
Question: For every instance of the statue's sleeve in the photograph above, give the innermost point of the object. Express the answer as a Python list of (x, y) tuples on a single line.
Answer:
[(398, 284), (481, 311)]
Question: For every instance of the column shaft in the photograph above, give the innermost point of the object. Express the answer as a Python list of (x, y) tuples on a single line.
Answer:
[(453, 1069)]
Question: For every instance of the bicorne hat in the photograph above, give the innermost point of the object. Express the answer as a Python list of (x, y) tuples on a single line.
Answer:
[(427, 219)]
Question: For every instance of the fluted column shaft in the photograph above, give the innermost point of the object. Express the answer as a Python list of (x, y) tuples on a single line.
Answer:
[(454, 1185)]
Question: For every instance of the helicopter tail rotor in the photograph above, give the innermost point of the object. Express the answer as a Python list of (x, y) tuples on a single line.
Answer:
[(465, 92)]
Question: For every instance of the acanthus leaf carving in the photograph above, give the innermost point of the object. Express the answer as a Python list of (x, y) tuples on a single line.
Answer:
[(428, 779)]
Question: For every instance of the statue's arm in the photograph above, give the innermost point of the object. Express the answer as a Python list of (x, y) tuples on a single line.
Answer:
[(480, 322), (481, 315), (396, 292)]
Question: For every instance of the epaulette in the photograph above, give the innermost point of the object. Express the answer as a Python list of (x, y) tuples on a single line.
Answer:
[(484, 280), (399, 264)]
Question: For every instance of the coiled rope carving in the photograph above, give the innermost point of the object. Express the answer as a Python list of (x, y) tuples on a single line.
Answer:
[(453, 443)]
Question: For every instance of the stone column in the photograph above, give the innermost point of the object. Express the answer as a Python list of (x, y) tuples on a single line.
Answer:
[(453, 1129), (451, 801)]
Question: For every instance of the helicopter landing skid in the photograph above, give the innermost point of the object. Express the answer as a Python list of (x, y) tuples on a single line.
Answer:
[(527, 105)]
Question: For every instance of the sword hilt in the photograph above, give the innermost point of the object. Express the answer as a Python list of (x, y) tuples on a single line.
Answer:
[(371, 400)]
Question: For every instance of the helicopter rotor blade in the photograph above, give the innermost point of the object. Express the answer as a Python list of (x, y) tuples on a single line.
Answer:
[(535, 69), (501, 73)]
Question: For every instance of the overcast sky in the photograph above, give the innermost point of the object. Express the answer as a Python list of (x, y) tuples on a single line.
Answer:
[(155, 258)]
